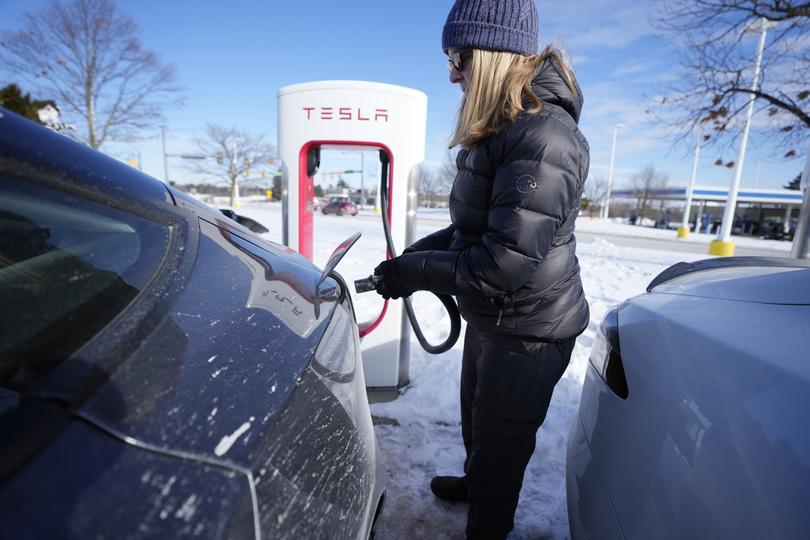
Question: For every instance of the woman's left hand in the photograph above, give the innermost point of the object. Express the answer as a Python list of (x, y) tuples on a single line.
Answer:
[(391, 285)]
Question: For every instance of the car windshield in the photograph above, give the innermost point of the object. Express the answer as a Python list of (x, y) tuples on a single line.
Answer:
[(68, 266)]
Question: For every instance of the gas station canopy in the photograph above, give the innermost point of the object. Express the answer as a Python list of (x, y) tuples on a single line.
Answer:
[(720, 194)]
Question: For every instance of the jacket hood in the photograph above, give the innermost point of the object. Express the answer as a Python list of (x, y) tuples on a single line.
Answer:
[(550, 86)]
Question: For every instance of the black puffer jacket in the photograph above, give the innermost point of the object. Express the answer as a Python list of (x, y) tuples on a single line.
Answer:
[(509, 255)]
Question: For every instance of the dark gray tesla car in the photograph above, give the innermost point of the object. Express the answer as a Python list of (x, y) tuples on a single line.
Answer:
[(165, 372)]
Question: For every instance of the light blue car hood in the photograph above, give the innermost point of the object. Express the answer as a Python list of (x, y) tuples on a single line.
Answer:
[(787, 286)]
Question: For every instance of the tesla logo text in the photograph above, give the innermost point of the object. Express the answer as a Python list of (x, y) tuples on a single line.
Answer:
[(356, 114), (281, 298)]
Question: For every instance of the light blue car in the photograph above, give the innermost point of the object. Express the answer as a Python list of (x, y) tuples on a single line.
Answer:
[(695, 413)]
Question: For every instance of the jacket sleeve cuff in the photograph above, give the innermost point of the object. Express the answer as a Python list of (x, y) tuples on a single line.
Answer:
[(432, 271)]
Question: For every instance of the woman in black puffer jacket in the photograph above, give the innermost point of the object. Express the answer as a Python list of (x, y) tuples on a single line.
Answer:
[(509, 255)]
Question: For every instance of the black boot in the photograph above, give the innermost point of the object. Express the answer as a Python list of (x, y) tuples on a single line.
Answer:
[(449, 488)]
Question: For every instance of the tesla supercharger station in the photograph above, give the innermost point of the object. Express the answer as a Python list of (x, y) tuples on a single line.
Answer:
[(355, 115)]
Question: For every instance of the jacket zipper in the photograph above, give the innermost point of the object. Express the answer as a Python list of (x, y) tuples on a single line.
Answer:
[(500, 308)]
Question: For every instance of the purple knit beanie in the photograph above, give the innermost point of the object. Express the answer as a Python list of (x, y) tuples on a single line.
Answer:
[(493, 25)]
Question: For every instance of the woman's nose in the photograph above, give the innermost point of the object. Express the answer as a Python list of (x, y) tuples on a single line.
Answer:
[(455, 76)]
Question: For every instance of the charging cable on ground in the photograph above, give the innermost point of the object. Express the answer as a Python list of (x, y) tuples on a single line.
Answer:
[(369, 284)]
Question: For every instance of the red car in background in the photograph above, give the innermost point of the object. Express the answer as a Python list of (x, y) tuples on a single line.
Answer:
[(340, 206)]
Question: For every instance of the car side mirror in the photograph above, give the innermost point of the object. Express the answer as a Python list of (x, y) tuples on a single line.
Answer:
[(246, 222)]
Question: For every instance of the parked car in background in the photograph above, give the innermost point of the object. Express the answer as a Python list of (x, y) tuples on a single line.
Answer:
[(319, 202), (164, 372), (694, 411), (340, 206)]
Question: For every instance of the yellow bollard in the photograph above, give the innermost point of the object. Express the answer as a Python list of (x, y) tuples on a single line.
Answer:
[(683, 232), (721, 249)]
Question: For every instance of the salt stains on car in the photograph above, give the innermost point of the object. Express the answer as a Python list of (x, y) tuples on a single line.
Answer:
[(228, 440)]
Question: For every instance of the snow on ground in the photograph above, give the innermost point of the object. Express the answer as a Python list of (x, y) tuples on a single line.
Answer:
[(419, 433), (427, 439)]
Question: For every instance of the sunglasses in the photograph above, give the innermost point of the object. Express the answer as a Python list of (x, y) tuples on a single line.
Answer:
[(456, 60)]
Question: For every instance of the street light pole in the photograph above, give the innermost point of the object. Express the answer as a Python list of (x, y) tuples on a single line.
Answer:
[(801, 238), (362, 172), (683, 230), (606, 208), (165, 156), (235, 171), (723, 246), (362, 178)]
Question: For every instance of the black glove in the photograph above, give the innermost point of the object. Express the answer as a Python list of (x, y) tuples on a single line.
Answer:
[(391, 284)]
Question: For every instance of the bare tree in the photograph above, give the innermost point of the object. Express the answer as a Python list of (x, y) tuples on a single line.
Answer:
[(595, 194), (716, 60), (228, 155), (644, 184), (435, 183), (428, 185), (447, 173), (87, 55)]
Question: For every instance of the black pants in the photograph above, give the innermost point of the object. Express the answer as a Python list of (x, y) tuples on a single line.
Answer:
[(506, 387)]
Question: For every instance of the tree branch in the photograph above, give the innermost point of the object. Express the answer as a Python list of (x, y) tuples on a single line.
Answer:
[(791, 107)]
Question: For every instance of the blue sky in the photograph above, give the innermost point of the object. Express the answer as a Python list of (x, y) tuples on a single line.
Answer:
[(231, 58)]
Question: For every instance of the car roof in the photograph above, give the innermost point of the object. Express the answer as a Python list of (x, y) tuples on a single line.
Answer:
[(32, 151), (749, 279)]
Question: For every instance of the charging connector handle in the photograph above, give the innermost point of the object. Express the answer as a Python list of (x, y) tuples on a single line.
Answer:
[(446, 300), (366, 285)]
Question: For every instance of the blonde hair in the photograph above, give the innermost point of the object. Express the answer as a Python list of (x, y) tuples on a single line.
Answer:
[(501, 81)]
